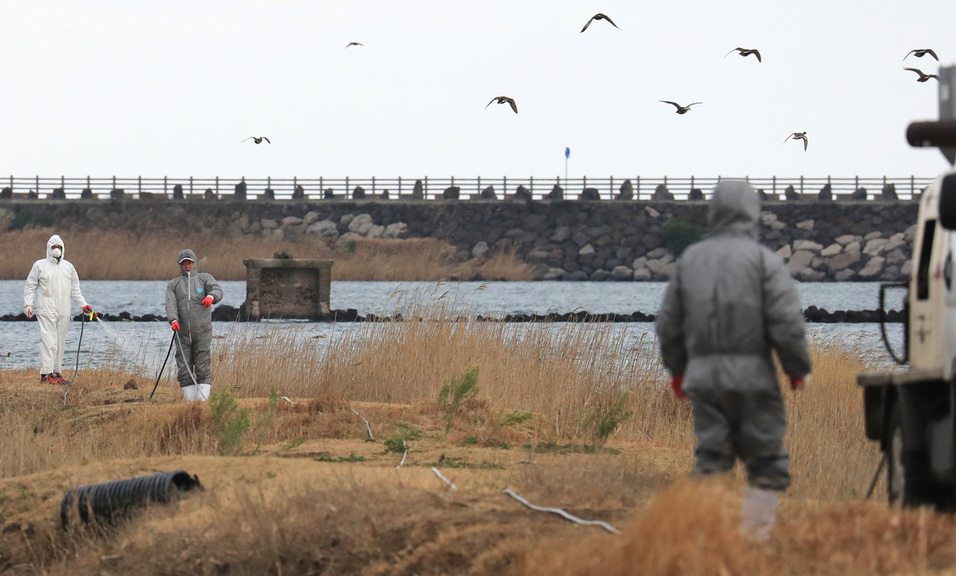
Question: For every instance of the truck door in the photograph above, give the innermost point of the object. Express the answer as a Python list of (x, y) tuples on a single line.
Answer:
[(927, 289)]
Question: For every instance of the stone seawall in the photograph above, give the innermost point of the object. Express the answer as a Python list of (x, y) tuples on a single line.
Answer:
[(562, 240)]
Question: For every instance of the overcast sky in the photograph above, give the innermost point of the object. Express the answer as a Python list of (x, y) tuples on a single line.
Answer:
[(172, 88)]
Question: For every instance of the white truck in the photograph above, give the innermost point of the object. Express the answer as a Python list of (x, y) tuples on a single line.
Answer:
[(912, 412)]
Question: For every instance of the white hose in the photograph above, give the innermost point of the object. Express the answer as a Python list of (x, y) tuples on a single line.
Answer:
[(367, 426), (447, 481), (562, 513)]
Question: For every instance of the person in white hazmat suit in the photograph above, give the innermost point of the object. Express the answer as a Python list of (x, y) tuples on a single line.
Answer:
[(188, 301), (51, 284), (729, 304)]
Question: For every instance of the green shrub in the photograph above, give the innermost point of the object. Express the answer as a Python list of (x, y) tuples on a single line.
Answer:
[(603, 421), (230, 421), (512, 419), (270, 416), (679, 234), (405, 433), (454, 393)]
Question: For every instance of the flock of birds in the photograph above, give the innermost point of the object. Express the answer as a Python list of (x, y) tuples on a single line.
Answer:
[(680, 108)]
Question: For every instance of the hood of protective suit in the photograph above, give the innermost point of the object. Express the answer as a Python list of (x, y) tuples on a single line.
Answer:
[(735, 209), (53, 241), (187, 254)]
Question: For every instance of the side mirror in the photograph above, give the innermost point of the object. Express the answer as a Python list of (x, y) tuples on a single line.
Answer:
[(947, 202)]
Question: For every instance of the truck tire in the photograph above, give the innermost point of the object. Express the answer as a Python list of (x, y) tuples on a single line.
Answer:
[(909, 482)]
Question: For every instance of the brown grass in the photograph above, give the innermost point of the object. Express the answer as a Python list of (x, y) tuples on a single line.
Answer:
[(125, 255), (321, 497)]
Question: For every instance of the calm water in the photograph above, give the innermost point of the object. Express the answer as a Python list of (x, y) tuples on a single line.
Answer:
[(141, 346)]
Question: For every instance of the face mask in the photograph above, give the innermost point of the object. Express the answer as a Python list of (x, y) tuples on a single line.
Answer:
[(57, 252)]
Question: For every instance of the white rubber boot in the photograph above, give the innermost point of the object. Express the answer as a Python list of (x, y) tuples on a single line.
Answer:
[(759, 513), (203, 393), (191, 393)]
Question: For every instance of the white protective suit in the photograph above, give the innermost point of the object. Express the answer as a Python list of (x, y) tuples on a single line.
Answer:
[(52, 282)]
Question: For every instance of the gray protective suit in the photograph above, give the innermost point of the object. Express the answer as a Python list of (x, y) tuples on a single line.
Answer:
[(729, 304), (184, 296)]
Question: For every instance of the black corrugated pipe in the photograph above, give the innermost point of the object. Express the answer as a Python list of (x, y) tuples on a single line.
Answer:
[(108, 501)]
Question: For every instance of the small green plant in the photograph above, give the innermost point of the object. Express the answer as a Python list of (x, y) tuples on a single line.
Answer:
[(270, 416), (399, 441), (230, 421), (512, 419), (352, 457), (454, 393), (679, 234), (292, 444), (603, 421)]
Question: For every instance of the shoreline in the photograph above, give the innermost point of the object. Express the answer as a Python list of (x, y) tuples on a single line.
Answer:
[(227, 313)]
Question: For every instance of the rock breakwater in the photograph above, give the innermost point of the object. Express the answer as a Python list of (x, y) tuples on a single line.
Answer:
[(561, 240)]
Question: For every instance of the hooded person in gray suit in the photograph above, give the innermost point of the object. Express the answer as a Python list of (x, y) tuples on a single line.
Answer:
[(188, 301), (729, 305)]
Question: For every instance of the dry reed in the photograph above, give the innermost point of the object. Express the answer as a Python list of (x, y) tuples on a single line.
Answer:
[(127, 255), (392, 372)]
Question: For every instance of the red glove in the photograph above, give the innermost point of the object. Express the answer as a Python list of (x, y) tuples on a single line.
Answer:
[(677, 383), (87, 309), (207, 301), (175, 326), (797, 383)]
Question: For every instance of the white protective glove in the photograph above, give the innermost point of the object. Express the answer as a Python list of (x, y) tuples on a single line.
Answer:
[(29, 310)]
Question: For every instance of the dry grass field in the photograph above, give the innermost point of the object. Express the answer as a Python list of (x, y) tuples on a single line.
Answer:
[(323, 486), (125, 255)]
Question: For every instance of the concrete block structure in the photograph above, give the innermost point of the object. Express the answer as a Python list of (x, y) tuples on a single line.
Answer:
[(287, 288)]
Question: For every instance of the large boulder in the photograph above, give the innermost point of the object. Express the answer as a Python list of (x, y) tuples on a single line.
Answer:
[(662, 193), (627, 193), (826, 193), (889, 193), (521, 193)]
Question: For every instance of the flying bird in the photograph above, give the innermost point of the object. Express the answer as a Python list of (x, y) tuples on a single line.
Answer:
[(746, 52), (681, 109), (503, 100), (798, 136), (920, 52), (258, 139), (923, 77), (354, 44), (599, 16)]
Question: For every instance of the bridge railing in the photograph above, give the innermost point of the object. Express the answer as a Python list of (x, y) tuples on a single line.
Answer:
[(430, 188)]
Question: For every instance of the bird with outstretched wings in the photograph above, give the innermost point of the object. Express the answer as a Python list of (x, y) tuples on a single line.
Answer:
[(745, 52), (923, 77), (920, 52), (681, 109), (798, 136), (258, 139), (599, 16), (503, 100)]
